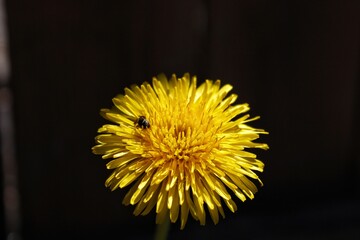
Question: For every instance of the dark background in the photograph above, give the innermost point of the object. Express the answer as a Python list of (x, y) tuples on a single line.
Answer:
[(296, 63)]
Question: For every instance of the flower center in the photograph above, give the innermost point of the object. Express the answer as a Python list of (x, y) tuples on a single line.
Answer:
[(182, 134), (185, 143)]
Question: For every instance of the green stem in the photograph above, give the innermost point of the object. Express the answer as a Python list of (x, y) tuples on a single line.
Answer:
[(162, 230)]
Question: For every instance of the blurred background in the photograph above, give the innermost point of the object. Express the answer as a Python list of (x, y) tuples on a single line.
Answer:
[(295, 62)]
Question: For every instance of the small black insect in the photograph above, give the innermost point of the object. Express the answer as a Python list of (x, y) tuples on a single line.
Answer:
[(143, 122)]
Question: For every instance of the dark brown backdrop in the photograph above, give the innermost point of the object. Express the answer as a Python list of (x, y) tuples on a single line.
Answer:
[(295, 62)]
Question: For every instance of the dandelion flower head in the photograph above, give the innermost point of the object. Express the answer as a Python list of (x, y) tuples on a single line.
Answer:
[(180, 148)]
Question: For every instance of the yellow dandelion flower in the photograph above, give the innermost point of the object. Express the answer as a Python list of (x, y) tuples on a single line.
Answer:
[(181, 147)]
